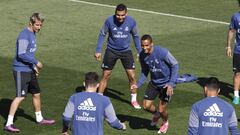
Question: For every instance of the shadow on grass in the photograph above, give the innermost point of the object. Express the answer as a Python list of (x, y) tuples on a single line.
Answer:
[(111, 93), (137, 122), (225, 88), (5, 106)]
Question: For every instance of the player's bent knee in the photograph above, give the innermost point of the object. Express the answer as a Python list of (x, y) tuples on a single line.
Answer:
[(19, 99), (237, 74), (146, 107)]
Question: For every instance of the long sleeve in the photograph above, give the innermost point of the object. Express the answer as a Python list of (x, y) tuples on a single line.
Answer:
[(193, 123), (23, 54), (136, 39), (112, 118), (68, 114), (101, 37), (144, 73), (174, 68), (233, 124)]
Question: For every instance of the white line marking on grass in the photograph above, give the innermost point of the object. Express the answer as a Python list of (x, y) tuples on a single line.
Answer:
[(153, 12)]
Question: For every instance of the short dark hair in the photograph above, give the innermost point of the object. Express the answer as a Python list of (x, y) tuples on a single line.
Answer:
[(121, 7), (36, 16), (91, 79), (212, 83), (146, 37)]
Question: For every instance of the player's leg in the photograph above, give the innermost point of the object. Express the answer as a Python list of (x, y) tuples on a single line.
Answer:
[(150, 95), (162, 108), (21, 82), (148, 105), (132, 81), (34, 89), (129, 66), (103, 82), (109, 61), (236, 77)]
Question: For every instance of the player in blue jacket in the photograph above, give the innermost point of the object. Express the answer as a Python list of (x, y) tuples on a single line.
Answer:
[(234, 30), (120, 28), (163, 69), (88, 110), (26, 68), (212, 115)]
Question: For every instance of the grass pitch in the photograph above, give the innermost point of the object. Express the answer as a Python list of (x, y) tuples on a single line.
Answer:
[(67, 43)]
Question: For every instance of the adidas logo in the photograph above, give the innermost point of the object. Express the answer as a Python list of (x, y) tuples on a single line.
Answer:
[(87, 105), (213, 110)]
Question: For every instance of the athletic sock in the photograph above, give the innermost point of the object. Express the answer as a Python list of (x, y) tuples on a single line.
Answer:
[(236, 93), (39, 116), (134, 97), (9, 120)]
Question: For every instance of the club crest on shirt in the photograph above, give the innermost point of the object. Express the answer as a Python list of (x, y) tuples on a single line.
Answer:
[(126, 28)]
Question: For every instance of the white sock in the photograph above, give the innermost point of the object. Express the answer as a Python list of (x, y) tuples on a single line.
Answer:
[(39, 116), (236, 93), (9, 120), (134, 97)]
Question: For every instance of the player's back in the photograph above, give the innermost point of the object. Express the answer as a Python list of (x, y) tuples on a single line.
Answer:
[(214, 115), (89, 110)]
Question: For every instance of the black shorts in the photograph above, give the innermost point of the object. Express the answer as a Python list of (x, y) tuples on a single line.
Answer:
[(25, 82), (111, 57), (152, 91), (236, 63)]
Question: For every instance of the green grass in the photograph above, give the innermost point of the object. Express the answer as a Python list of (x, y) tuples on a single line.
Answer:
[(67, 43)]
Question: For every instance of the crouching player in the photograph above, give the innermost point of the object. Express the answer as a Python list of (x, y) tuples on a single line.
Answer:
[(163, 68)]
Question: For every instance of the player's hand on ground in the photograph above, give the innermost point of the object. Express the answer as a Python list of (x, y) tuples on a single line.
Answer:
[(124, 126), (39, 65), (97, 56), (169, 89), (229, 51)]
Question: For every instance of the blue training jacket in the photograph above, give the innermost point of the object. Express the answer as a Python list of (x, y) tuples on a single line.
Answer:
[(161, 65), (119, 35), (234, 24), (87, 110), (212, 116), (25, 51)]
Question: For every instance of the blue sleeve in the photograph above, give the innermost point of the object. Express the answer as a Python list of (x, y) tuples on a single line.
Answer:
[(136, 38), (144, 73), (193, 123), (112, 118), (232, 123), (101, 37), (233, 22), (69, 109), (23, 54), (174, 68), (68, 114)]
